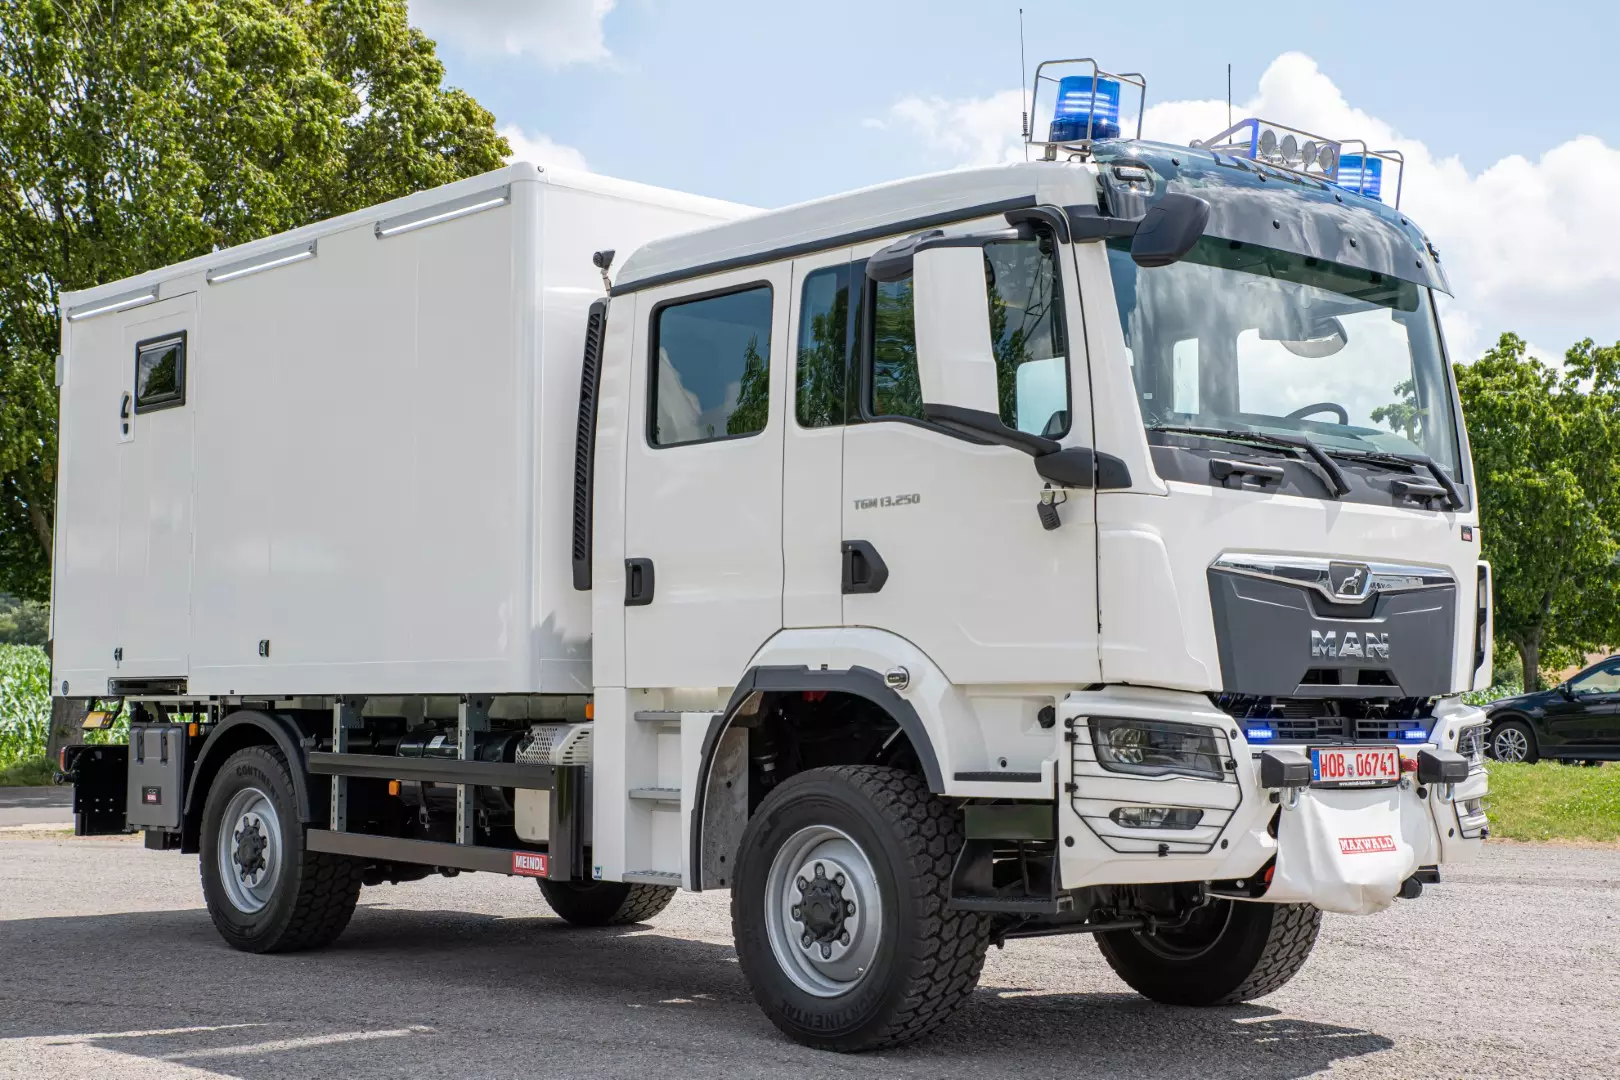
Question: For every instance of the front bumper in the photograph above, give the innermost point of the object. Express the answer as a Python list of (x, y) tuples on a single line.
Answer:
[(1342, 849)]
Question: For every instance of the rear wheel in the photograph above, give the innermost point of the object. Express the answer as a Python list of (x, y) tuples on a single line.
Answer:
[(1512, 740), (266, 892), (605, 903), (1230, 951), (840, 909)]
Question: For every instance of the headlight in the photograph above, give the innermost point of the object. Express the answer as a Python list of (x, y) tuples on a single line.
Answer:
[(1159, 748), (1471, 745)]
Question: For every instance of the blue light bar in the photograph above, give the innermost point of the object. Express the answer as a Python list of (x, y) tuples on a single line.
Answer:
[(1082, 104), (1260, 733), (1362, 174)]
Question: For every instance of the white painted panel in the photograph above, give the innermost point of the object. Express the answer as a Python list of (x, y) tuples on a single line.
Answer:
[(812, 474), (709, 515)]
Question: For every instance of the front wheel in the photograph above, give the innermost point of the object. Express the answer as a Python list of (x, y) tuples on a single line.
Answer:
[(1230, 951), (1512, 740), (266, 891), (840, 909)]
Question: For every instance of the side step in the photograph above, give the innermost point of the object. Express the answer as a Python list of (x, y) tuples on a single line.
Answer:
[(653, 877), (656, 794), (667, 719), (427, 852)]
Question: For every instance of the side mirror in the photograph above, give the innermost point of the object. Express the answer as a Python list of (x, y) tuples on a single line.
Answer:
[(1169, 230), (956, 361)]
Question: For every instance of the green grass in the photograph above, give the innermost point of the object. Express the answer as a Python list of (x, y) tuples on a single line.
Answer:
[(25, 709), (1549, 801), (31, 772)]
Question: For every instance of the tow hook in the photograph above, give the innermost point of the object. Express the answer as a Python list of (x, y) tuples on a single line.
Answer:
[(1286, 771)]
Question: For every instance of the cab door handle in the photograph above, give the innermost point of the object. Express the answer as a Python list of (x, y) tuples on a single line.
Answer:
[(864, 569)]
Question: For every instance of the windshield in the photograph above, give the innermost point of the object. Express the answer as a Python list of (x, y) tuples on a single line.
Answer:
[(1241, 337)]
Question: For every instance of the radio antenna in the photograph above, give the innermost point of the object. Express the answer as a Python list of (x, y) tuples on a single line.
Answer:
[(1023, 72), (1229, 95)]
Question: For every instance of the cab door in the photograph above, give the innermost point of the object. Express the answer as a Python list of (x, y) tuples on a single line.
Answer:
[(947, 542), (815, 406), (703, 478)]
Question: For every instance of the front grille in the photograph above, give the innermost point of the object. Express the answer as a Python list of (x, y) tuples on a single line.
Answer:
[(1327, 719)]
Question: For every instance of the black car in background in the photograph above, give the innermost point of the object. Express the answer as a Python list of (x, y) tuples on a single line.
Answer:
[(1577, 720)]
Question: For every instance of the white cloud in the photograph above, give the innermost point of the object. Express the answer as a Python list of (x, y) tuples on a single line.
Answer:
[(557, 32), (538, 149), (1529, 245)]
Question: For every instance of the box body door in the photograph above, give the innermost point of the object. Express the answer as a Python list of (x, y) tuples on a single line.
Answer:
[(124, 522)]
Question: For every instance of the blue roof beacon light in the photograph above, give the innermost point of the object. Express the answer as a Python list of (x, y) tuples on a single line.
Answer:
[(1075, 103), (1362, 174), (1087, 108)]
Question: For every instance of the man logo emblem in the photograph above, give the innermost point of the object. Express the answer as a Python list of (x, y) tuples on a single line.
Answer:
[(1349, 580)]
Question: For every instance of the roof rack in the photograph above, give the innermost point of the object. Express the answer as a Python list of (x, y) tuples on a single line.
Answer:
[(1316, 156)]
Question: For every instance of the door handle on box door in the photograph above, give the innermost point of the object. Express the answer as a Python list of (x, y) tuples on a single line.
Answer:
[(638, 582), (125, 404)]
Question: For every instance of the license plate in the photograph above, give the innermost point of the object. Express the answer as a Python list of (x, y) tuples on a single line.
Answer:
[(1363, 765)]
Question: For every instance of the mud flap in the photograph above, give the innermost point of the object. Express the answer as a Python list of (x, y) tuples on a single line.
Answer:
[(1348, 850)]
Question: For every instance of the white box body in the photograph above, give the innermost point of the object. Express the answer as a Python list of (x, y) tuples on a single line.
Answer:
[(368, 487)]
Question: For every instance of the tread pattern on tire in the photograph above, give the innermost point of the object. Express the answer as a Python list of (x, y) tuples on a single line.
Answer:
[(1288, 946), (642, 903), (951, 945), (328, 885)]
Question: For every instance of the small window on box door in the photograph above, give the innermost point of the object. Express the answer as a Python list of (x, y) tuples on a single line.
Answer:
[(160, 373)]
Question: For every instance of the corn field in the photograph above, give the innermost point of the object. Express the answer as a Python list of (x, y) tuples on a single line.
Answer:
[(25, 703)]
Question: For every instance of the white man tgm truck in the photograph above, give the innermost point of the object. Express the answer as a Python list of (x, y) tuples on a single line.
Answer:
[(1086, 545)]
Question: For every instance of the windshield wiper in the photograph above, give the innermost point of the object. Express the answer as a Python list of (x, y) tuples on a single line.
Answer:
[(1422, 461), (1336, 482)]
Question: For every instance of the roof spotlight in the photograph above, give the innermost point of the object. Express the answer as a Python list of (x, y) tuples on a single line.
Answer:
[(1290, 150), (1268, 143)]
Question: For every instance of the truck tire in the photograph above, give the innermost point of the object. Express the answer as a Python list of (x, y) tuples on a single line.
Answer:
[(266, 892), (605, 903), (1232, 951), (840, 909)]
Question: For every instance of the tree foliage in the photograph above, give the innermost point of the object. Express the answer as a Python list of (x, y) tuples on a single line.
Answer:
[(139, 133), (1546, 448)]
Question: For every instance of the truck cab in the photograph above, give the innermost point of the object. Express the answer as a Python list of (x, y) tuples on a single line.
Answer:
[(1083, 545)]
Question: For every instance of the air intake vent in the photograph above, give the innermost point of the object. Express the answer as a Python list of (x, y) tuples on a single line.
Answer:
[(590, 379)]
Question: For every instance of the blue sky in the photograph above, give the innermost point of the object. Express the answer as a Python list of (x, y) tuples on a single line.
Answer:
[(773, 103)]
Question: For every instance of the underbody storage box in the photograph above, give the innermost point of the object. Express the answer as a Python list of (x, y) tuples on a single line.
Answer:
[(157, 775)]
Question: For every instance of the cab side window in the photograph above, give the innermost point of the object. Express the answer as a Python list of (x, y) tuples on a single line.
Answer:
[(1027, 335), (711, 368), (823, 360)]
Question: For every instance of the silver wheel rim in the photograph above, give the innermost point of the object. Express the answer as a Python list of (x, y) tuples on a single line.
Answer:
[(823, 911), (249, 850), (1510, 745)]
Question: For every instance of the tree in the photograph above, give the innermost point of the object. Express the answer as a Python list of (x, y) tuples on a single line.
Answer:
[(139, 133), (1546, 447)]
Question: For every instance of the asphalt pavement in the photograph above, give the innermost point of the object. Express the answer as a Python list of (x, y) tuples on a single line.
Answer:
[(109, 968), (35, 806)]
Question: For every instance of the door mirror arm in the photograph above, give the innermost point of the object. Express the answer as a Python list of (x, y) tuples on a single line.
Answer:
[(1062, 466)]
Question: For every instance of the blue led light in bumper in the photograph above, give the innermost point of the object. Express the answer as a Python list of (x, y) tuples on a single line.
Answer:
[(1081, 99), (1414, 734), (1260, 733)]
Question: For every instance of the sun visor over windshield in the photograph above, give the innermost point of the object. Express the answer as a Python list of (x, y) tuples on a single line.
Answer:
[(1272, 208)]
